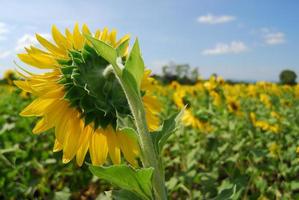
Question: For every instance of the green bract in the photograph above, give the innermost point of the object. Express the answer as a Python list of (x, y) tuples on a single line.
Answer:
[(92, 88)]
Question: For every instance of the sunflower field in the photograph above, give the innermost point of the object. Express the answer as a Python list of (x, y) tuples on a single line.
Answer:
[(234, 141)]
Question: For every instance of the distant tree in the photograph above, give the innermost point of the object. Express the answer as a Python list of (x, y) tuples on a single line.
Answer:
[(182, 73), (288, 77)]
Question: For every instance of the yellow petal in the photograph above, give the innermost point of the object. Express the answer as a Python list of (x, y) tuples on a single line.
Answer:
[(45, 59), (84, 140), (69, 36), (24, 85), (97, 34), (51, 47), (98, 148), (30, 60), (60, 39), (41, 126), (85, 30), (123, 39), (113, 146), (34, 50), (62, 125), (57, 146), (104, 34), (129, 148), (71, 142), (78, 38), (153, 120), (37, 107), (56, 93), (113, 37)]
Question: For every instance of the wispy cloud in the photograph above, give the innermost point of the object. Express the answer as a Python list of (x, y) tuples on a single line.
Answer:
[(4, 54), (213, 19), (3, 31), (271, 38), (234, 47), (27, 40)]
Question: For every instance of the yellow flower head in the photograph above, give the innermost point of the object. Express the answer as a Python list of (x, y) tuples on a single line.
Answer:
[(25, 95), (216, 98), (9, 76), (81, 99), (265, 99), (274, 149), (233, 105), (179, 98)]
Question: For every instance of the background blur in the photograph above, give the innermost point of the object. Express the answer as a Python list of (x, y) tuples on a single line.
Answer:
[(237, 39)]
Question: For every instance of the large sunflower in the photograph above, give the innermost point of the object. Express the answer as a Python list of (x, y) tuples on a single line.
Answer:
[(81, 99)]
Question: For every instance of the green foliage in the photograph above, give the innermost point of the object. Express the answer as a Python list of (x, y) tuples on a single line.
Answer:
[(288, 77), (169, 126), (137, 181), (203, 165), (29, 168), (232, 161), (134, 64)]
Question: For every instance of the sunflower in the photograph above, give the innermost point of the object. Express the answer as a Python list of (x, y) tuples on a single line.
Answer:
[(81, 99), (233, 105), (192, 117), (9, 76)]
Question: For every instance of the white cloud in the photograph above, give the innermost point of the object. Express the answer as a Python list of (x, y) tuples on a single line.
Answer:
[(221, 48), (3, 31), (27, 40), (274, 38), (212, 19), (4, 54)]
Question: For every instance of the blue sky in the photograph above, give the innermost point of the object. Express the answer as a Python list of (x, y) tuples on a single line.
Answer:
[(238, 39)]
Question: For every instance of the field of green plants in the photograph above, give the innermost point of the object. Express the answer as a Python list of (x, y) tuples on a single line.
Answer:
[(234, 142)]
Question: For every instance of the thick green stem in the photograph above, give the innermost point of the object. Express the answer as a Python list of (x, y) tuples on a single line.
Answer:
[(149, 157)]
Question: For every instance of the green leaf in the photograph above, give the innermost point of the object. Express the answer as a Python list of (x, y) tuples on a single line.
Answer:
[(227, 193), (124, 121), (130, 81), (294, 185), (124, 195), (103, 49), (134, 64), (169, 126), (137, 181), (64, 194)]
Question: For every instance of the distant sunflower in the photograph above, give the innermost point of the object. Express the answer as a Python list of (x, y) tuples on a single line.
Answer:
[(78, 98), (9, 76), (192, 117), (233, 105)]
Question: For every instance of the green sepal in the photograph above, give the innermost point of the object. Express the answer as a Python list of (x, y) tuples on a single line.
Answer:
[(137, 181), (135, 65), (97, 96), (62, 62), (67, 69), (73, 94), (169, 126)]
